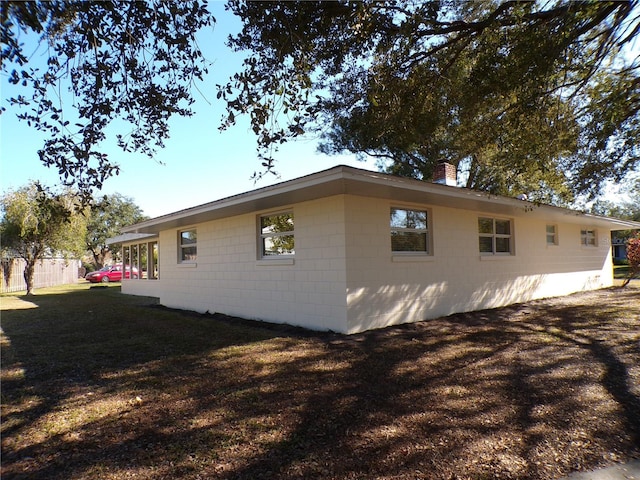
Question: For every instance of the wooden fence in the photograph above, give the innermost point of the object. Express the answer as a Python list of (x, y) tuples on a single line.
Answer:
[(48, 273)]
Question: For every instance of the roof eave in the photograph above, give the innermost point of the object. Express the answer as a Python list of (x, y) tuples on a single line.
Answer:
[(130, 237), (353, 181)]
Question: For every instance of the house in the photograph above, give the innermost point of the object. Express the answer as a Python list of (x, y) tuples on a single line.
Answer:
[(350, 250), (619, 249)]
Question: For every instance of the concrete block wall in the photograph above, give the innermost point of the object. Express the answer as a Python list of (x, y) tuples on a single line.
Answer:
[(345, 278), (385, 289), (228, 277)]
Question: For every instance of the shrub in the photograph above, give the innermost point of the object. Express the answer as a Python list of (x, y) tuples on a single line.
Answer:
[(633, 255)]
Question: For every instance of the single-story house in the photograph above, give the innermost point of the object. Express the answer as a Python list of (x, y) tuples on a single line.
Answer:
[(619, 248), (350, 250)]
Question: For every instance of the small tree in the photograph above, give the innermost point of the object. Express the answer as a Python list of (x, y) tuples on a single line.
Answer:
[(37, 222), (107, 217), (633, 254)]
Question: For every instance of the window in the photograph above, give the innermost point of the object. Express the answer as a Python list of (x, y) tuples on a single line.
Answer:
[(588, 238), (277, 235), (552, 235), (188, 246), (135, 262), (141, 261), (409, 230), (495, 236), (153, 261), (126, 258), (143, 268)]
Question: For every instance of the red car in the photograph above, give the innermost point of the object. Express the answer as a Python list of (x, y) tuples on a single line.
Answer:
[(110, 273)]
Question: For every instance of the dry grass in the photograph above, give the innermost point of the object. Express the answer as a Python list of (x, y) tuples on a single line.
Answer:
[(97, 385)]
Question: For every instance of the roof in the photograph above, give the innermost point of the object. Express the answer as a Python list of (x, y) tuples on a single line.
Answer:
[(353, 181), (129, 237)]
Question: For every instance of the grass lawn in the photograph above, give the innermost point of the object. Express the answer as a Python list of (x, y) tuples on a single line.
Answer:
[(99, 385), (622, 271)]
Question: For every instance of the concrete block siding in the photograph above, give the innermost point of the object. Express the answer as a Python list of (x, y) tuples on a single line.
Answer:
[(456, 278), (228, 276), (344, 277)]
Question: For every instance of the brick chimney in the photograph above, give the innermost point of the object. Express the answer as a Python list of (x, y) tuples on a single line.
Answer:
[(445, 174)]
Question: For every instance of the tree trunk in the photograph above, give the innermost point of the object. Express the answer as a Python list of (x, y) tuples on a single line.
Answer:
[(29, 270), (473, 170), (7, 263), (632, 273)]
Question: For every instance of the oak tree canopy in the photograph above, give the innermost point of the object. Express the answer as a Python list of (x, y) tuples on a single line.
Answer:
[(532, 97), (536, 97), (134, 62)]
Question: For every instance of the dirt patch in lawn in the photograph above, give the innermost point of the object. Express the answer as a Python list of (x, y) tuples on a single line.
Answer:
[(97, 385)]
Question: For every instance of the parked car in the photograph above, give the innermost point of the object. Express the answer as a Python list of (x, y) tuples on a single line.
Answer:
[(110, 273)]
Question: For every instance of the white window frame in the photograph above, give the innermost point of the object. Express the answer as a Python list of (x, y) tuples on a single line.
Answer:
[(425, 231), (182, 246), (151, 267), (553, 236), (588, 237), (263, 236), (495, 236), (153, 260)]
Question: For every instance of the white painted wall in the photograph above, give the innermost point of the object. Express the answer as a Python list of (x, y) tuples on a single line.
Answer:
[(229, 278), (344, 277), (383, 289)]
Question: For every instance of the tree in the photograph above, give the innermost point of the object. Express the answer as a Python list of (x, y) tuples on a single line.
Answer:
[(532, 96), (520, 96), (108, 215), (132, 61), (633, 254), (37, 222), (627, 209)]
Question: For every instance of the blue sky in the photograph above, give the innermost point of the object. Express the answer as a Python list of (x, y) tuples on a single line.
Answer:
[(199, 163)]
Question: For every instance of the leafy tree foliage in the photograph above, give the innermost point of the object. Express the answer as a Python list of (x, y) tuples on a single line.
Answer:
[(37, 222), (108, 215), (633, 254), (520, 96), (133, 61), (628, 208)]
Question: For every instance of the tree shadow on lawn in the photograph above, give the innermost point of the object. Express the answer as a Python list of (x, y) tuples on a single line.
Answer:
[(92, 349), (529, 391)]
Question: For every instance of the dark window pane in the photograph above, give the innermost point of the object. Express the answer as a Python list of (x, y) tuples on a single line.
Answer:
[(188, 237), (503, 245), (403, 218), (503, 227), (485, 225), (189, 253), (154, 252), (416, 219), (486, 245), (408, 242), (276, 223)]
